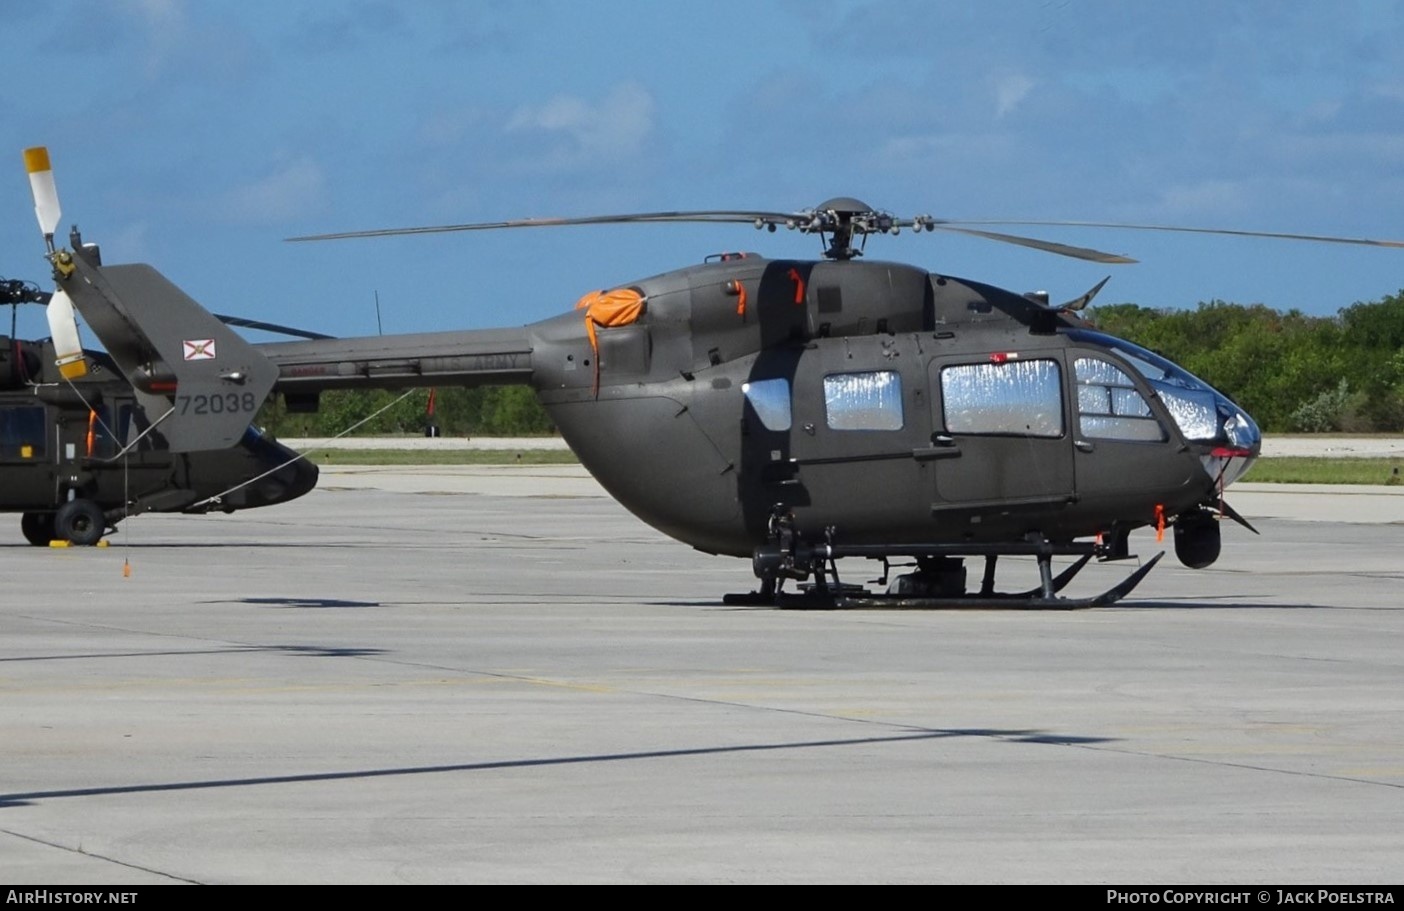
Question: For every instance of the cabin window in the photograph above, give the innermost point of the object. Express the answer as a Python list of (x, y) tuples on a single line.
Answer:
[(23, 432), (129, 424), (1021, 398), (863, 401), (770, 399), (1109, 405)]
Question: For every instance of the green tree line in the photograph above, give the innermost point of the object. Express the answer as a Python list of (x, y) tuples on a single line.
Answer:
[(1292, 372), (508, 411)]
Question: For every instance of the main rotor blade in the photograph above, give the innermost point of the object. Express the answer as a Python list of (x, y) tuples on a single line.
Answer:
[(801, 220), (717, 216), (811, 221), (1277, 235), (244, 323), (1048, 246)]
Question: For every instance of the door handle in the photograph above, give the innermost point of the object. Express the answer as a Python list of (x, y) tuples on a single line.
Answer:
[(943, 446), (930, 453), (1083, 446)]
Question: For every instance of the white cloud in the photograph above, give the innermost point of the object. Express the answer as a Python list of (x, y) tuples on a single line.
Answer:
[(160, 12), (945, 151), (167, 31), (175, 42), (1207, 197), (575, 133), (291, 191), (1009, 91), (130, 243), (446, 127)]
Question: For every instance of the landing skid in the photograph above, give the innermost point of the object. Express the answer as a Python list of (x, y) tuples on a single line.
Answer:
[(939, 581), (847, 598)]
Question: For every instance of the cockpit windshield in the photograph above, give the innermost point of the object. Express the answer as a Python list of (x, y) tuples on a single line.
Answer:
[(1202, 413), (1150, 365)]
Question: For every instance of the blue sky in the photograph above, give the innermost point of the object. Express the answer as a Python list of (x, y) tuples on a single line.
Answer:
[(197, 135)]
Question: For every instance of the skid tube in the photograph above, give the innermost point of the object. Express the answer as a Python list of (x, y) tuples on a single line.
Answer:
[(800, 560)]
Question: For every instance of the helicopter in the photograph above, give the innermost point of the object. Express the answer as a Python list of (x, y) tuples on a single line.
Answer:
[(793, 412), (76, 457)]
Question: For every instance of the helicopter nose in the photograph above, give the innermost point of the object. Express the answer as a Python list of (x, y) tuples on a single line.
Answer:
[(1237, 447), (295, 480), (284, 476), (286, 483), (1241, 431), (289, 482)]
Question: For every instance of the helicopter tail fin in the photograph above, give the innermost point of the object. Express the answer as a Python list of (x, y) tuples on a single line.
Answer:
[(198, 381)]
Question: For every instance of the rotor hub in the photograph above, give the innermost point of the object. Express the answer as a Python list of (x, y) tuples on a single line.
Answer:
[(843, 217)]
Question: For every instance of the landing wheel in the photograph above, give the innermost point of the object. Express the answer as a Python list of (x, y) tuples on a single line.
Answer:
[(80, 522), (38, 528)]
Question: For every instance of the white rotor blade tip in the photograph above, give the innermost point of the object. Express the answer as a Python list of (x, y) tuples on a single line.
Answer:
[(41, 184), (63, 329)]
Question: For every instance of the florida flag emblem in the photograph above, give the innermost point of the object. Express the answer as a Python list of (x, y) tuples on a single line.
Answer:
[(199, 349)]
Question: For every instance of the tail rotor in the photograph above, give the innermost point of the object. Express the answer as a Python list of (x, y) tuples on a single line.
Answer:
[(63, 322)]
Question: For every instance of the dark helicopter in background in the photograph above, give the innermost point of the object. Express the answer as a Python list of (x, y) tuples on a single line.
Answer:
[(77, 457), (792, 411)]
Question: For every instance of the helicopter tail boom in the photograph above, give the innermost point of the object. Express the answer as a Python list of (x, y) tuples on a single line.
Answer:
[(484, 357)]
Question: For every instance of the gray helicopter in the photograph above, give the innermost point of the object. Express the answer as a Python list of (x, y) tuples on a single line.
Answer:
[(795, 412)]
